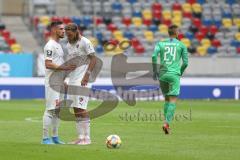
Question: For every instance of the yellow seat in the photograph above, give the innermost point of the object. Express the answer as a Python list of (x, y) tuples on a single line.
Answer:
[(118, 34), (167, 14), (111, 50), (149, 36), (147, 14), (16, 48), (94, 41), (177, 21), (186, 41), (206, 42), (236, 21), (187, 7), (177, 14), (227, 22), (237, 36), (197, 8), (45, 20), (202, 50), (137, 21), (163, 28)]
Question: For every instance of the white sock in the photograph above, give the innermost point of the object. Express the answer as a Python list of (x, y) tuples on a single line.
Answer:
[(86, 128), (47, 121), (55, 123), (79, 127)]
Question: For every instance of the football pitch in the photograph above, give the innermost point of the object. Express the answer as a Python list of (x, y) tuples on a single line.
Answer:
[(201, 130)]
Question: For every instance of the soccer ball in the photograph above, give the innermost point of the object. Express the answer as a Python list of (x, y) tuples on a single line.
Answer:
[(113, 141)]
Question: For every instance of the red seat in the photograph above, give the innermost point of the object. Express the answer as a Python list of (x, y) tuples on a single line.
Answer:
[(10, 41), (147, 22), (157, 14), (187, 14), (113, 42), (98, 20), (180, 36), (35, 21), (216, 43), (112, 27), (191, 1), (238, 50), (139, 49), (199, 36), (197, 22), (66, 19), (126, 21), (167, 22), (213, 29), (204, 30), (177, 6), (156, 6), (6, 34), (135, 42), (55, 18)]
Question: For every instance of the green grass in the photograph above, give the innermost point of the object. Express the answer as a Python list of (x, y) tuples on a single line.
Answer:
[(212, 131)]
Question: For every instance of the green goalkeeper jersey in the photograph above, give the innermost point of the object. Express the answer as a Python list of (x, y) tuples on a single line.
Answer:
[(171, 52)]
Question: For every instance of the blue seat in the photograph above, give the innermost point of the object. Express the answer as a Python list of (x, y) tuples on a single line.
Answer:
[(117, 6), (153, 28), (235, 43), (137, 14), (189, 35), (128, 34), (76, 20), (207, 22), (212, 50), (217, 22), (227, 15), (132, 1), (99, 49), (201, 2), (230, 2), (99, 35), (87, 20)]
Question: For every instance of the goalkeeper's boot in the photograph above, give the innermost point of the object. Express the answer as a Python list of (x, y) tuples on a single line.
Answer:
[(166, 128), (47, 141), (57, 141)]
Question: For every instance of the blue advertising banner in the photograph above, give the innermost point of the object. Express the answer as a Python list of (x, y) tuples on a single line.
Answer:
[(16, 65)]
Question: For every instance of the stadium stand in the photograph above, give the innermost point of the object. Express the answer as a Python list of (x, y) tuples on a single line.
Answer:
[(8, 44), (207, 27)]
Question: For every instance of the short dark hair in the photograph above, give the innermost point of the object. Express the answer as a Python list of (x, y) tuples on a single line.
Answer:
[(172, 29), (55, 23)]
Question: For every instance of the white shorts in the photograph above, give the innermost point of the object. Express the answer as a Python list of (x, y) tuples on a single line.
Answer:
[(78, 100), (53, 98)]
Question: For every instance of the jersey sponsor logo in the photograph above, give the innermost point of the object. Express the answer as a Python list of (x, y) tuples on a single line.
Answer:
[(49, 53)]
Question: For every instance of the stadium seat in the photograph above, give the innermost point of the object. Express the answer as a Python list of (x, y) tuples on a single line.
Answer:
[(98, 20), (207, 22), (128, 34), (216, 43), (10, 41), (177, 14), (237, 36), (202, 50), (126, 21), (189, 35), (163, 28), (137, 14), (45, 20), (167, 14), (203, 29), (196, 7), (137, 21), (16, 48), (199, 36), (212, 50), (147, 22), (236, 22), (177, 21), (186, 7), (94, 41), (139, 50), (5, 34), (149, 35), (206, 42), (227, 22), (186, 41), (213, 29), (118, 34), (76, 20), (235, 43), (177, 6), (153, 28), (191, 1), (112, 27), (99, 49), (187, 14), (238, 50), (156, 6), (197, 22), (157, 14), (167, 22), (147, 14), (116, 6), (66, 19), (135, 42), (55, 18)]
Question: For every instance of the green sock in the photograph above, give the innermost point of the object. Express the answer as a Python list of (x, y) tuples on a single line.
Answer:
[(170, 112), (166, 104)]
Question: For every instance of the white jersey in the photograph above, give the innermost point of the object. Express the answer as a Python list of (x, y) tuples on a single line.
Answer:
[(53, 51), (82, 48)]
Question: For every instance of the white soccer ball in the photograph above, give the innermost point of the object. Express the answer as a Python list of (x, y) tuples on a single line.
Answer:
[(113, 141)]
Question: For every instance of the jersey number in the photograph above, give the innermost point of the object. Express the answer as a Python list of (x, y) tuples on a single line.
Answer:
[(169, 54)]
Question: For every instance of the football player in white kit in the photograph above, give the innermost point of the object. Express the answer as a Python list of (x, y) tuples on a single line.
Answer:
[(53, 54), (80, 46)]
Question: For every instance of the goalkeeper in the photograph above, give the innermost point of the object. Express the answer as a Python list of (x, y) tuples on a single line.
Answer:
[(171, 52)]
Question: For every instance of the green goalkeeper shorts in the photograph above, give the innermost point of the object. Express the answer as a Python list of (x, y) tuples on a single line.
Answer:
[(170, 84)]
